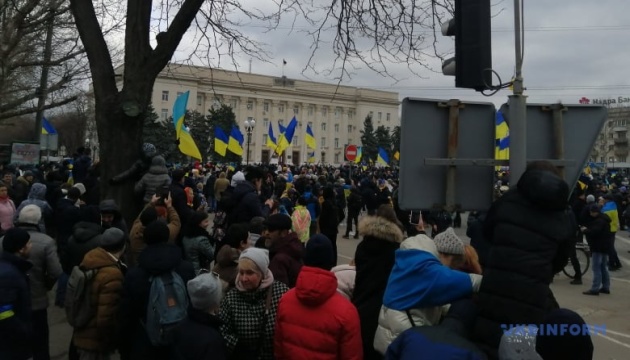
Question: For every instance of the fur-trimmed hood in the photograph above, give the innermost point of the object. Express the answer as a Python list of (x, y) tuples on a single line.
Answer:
[(380, 228)]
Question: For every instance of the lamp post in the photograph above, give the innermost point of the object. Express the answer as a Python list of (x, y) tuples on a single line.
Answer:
[(249, 127)]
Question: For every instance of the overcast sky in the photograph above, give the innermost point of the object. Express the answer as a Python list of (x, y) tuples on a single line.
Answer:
[(573, 49)]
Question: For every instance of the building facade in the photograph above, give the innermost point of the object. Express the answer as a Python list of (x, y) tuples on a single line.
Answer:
[(335, 113), (611, 146)]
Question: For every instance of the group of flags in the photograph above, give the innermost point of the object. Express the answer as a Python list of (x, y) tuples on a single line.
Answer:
[(232, 142)]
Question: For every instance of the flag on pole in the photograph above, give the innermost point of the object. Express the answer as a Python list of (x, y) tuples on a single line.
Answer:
[(397, 155), (281, 128), (186, 143), (502, 139), (357, 160), (47, 128), (285, 139), (310, 138), (220, 141), (70, 177), (311, 157), (271, 139), (235, 142), (382, 157)]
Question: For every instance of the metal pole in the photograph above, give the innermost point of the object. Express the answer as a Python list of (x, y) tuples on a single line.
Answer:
[(249, 139), (453, 140), (518, 106), (43, 81), (558, 132)]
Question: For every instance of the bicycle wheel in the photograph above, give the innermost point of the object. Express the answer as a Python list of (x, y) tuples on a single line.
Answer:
[(585, 262)]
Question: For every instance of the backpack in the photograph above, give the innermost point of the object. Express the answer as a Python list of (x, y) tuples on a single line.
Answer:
[(78, 302), (168, 302)]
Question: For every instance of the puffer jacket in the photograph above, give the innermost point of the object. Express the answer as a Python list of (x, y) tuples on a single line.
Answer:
[(154, 180), (419, 290), (136, 235), (345, 275), (37, 196), (315, 322), (100, 333), (85, 237), (199, 249), (374, 260)]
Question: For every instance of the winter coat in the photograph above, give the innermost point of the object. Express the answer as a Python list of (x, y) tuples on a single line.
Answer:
[(180, 202), (7, 214), (99, 334), (155, 260), (345, 275), (474, 230), (80, 168), (248, 204), (37, 196), (16, 326), (226, 265), (286, 259), (22, 187), (85, 237), (242, 313), (329, 220), (136, 235), (67, 214), (109, 205), (598, 234), (198, 338), (419, 290), (315, 322), (46, 266), (374, 258), (530, 231), (153, 180), (199, 249)]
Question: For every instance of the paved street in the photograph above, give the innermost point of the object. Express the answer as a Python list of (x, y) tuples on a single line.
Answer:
[(609, 310)]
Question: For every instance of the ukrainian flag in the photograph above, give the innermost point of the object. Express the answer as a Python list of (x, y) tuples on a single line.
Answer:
[(220, 141), (235, 143), (382, 157), (310, 138), (397, 155), (186, 143), (311, 157), (70, 177), (285, 139), (357, 160), (271, 139), (47, 128), (502, 138)]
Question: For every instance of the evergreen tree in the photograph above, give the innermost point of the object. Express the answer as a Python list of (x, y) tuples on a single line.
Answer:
[(161, 134), (396, 138), (224, 118), (384, 140), (368, 140)]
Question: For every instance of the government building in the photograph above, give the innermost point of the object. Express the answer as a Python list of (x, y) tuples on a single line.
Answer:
[(335, 113)]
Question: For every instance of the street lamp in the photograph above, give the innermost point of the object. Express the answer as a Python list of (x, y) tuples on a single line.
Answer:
[(249, 127)]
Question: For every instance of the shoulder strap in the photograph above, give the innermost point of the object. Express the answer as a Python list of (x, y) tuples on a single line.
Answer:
[(413, 323)]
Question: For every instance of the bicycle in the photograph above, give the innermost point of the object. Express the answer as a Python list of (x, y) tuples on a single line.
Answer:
[(583, 255)]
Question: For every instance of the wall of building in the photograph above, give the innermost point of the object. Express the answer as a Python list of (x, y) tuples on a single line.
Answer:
[(612, 143), (335, 113)]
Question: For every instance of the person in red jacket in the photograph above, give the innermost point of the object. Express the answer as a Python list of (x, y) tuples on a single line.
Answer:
[(314, 321)]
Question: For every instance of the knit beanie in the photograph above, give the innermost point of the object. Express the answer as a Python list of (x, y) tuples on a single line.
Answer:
[(319, 252), (14, 240), (590, 199), (148, 216), (565, 345), (30, 214), (205, 291), (448, 242), (260, 257), (156, 232), (112, 236)]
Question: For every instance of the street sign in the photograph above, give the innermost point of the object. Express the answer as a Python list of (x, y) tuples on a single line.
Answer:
[(425, 135), (351, 152)]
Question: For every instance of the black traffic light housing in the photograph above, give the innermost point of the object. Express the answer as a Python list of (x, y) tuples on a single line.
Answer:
[(471, 27)]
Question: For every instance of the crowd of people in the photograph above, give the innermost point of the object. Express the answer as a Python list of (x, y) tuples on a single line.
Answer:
[(242, 263)]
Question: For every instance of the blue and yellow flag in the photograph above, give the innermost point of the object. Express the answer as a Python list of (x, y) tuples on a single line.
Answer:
[(285, 139), (502, 139), (382, 157), (186, 143), (271, 139), (235, 143), (70, 176), (311, 157), (220, 141), (47, 128), (310, 138), (397, 155), (282, 129), (357, 160)]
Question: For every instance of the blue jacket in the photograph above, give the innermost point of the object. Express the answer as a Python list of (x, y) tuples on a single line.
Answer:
[(15, 308), (432, 342)]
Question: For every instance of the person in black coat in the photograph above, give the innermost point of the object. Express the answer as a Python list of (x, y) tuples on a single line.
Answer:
[(474, 230), (530, 231), (178, 195), (248, 204), (16, 324), (159, 257), (198, 336), (599, 237)]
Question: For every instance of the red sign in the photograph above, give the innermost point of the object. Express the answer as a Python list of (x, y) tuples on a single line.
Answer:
[(351, 152)]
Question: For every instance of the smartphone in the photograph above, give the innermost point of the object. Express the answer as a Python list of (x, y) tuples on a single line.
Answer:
[(415, 217)]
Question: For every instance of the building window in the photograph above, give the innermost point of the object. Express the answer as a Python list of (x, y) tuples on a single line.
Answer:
[(295, 141), (380, 115), (323, 126), (165, 95), (216, 103), (610, 136), (266, 106), (265, 136), (336, 143), (199, 100), (296, 110), (324, 111), (372, 114), (265, 123), (349, 141), (323, 157), (233, 103), (323, 142), (164, 114), (281, 108), (310, 110), (336, 127), (337, 158), (350, 114), (349, 129), (310, 123), (337, 113), (389, 116), (250, 105)]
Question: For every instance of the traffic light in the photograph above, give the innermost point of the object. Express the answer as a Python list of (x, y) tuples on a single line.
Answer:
[(473, 46)]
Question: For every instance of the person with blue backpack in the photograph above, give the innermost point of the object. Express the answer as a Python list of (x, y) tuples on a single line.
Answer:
[(155, 299)]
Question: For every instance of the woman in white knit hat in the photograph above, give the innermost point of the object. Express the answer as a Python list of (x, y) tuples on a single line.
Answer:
[(249, 310)]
